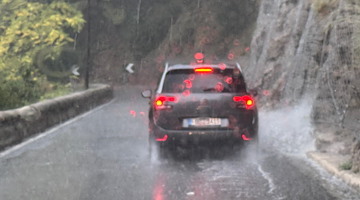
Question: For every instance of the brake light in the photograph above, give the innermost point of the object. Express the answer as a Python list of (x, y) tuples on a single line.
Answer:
[(204, 70), (246, 101), (160, 102)]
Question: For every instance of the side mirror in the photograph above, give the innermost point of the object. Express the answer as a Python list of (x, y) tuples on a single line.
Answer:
[(146, 94), (253, 92)]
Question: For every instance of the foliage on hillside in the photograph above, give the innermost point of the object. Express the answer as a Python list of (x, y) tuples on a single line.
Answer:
[(148, 31), (25, 29)]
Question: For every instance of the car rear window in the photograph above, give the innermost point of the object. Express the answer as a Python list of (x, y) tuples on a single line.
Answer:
[(219, 81)]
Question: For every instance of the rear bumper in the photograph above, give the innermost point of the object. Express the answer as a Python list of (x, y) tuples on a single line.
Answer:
[(197, 136)]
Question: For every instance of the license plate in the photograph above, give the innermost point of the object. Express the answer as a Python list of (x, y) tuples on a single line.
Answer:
[(205, 122)]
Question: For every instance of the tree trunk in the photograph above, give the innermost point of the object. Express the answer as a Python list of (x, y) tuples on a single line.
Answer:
[(138, 12)]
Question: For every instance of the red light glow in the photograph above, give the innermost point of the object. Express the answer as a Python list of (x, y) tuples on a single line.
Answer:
[(186, 93), (222, 66), (191, 77), (204, 70), (188, 83), (172, 99), (160, 102), (231, 56), (244, 137), (163, 139), (133, 113), (228, 80), (247, 100), (199, 56), (219, 87)]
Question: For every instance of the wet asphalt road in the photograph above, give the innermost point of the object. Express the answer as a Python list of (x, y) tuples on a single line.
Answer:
[(104, 155)]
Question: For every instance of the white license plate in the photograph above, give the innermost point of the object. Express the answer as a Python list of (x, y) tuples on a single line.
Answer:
[(205, 122)]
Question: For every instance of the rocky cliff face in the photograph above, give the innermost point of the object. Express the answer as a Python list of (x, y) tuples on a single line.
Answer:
[(310, 49)]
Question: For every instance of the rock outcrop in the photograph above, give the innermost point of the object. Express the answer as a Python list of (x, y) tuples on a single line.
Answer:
[(311, 49)]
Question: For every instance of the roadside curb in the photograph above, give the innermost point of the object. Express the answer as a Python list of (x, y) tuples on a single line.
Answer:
[(332, 162)]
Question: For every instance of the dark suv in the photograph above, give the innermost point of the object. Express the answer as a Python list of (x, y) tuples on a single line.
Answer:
[(201, 103)]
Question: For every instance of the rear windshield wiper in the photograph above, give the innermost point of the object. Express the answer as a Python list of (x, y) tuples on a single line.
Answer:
[(210, 90)]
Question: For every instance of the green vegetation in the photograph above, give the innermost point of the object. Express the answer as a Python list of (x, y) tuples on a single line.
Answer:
[(56, 90), (27, 28), (346, 166), (113, 14), (153, 27)]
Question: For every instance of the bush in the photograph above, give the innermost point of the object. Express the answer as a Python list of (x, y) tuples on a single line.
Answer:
[(27, 27), (18, 92)]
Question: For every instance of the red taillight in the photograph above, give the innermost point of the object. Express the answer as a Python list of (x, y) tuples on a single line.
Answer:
[(204, 70), (247, 101), (160, 102)]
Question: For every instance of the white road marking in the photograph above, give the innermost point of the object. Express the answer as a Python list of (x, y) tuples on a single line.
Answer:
[(268, 178), (50, 131)]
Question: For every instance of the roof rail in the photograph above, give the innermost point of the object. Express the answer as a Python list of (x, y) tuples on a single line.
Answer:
[(166, 66), (239, 67), (163, 78)]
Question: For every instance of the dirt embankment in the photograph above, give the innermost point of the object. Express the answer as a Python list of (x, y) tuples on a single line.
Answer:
[(311, 48)]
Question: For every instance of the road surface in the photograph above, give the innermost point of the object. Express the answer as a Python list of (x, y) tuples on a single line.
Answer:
[(103, 155)]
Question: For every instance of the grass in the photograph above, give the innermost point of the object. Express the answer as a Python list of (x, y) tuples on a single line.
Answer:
[(56, 91)]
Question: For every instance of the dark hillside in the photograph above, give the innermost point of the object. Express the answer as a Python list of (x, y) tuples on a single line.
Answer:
[(149, 32)]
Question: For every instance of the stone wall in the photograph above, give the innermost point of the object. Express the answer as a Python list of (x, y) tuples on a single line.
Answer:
[(19, 124)]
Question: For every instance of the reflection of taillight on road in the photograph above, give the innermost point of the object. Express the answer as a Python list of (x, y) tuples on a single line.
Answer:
[(245, 101), (161, 102)]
